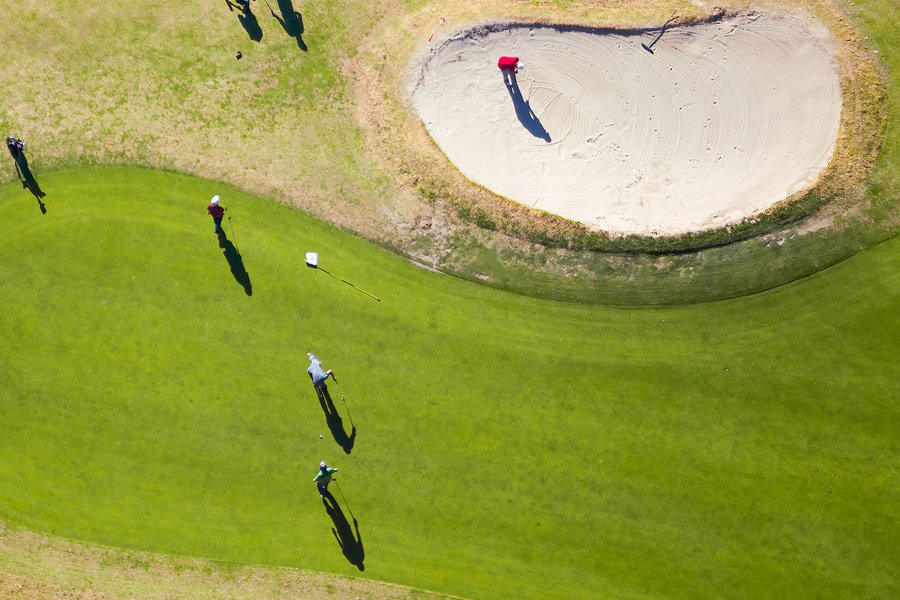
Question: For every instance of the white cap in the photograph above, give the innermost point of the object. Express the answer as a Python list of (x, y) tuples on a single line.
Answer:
[(215, 199)]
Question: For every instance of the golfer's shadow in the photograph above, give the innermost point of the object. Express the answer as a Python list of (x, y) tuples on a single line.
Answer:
[(334, 421), (247, 18), (523, 108), (26, 177), (235, 263), (291, 21), (351, 545)]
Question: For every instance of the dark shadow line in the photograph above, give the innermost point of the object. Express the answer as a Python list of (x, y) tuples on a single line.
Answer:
[(525, 114), (351, 545), (659, 35), (235, 263), (334, 421), (291, 21), (247, 18)]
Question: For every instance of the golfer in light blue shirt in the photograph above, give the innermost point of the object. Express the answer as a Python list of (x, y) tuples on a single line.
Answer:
[(318, 376)]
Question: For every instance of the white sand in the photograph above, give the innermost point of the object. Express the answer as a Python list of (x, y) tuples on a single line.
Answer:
[(722, 121)]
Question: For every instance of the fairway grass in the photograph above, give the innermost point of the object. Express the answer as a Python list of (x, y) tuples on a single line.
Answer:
[(508, 447)]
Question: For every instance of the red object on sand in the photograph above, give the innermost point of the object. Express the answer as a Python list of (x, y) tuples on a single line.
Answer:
[(508, 63)]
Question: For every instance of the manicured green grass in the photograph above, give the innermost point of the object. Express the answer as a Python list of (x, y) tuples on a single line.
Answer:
[(508, 447)]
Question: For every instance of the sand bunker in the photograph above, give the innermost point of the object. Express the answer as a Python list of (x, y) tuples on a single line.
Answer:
[(718, 123)]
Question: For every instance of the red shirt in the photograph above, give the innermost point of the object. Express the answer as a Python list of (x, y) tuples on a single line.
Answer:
[(508, 63), (215, 211)]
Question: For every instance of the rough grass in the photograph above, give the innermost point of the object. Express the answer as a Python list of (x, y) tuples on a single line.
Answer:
[(39, 567), (508, 447)]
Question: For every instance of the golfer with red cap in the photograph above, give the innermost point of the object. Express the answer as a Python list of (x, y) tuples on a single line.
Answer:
[(216, 212)]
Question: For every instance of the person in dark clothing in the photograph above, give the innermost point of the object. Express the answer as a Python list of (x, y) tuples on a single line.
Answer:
[(16, 148)]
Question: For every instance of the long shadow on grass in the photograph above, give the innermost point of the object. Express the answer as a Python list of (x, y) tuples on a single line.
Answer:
[(290, 20), (23, 171), (351, 545), (247, 19), (334, 421), (235, 263)]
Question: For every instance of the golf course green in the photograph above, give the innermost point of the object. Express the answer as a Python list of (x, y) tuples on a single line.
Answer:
[(507, 447), (682, 425)]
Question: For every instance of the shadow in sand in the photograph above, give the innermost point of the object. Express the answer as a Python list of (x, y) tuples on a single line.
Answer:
[(16, 148), (334, 421), (649, 47), (523, 109), (236, 263), (290, 20), (351, 545), (247, 18)]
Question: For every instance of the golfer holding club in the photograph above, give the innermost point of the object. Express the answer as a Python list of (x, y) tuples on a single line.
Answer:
[(318, 376), (323, 478), (216, 212)]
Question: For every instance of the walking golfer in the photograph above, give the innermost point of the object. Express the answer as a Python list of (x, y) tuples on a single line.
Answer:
[(323, 478), (16, 147), (318, 376), (216, 212)]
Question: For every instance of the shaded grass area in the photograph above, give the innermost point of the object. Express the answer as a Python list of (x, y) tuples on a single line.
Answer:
[(508, 447)]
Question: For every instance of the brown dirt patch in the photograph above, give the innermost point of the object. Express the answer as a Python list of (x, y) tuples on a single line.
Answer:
[(39, 567)]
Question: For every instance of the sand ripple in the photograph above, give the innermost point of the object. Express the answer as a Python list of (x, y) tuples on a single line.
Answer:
[(720, 122)]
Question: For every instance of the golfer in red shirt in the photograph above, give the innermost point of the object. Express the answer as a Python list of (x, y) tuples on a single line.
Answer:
[(216, 212), (509, 65)]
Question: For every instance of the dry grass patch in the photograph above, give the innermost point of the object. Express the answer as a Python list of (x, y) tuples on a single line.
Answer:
[(39, 567)]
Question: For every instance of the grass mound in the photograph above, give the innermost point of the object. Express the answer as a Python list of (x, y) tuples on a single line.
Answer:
[(508, 447)]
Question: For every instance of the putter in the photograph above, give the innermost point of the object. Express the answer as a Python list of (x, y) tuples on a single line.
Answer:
[(41, 205), (234, 239), (344, 400), (341, 492)]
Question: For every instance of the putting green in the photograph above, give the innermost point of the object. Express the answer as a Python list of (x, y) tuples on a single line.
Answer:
[(508, 447)]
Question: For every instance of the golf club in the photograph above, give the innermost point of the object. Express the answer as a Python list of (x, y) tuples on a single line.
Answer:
[(341, 492), (233, 239), (41, 205), (344, 400)]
